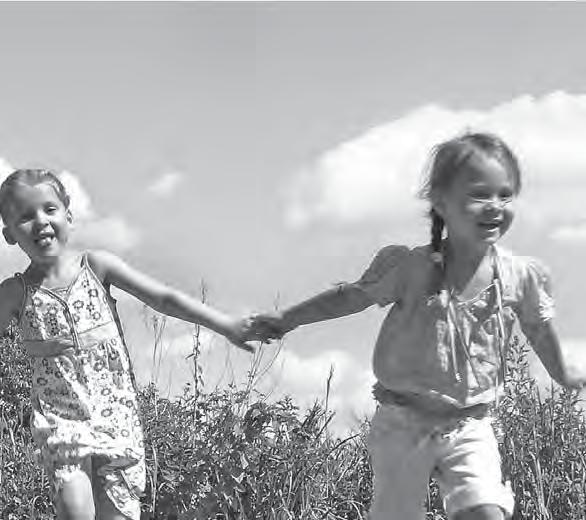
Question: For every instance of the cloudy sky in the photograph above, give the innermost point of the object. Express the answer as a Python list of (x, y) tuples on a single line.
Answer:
[(269, 150)]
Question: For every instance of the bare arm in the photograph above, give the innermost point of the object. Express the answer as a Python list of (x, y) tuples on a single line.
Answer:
[(545, 342), (164, 299), (342, 300)]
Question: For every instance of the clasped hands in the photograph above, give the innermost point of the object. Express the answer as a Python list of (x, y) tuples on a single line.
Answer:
[(265, 327)]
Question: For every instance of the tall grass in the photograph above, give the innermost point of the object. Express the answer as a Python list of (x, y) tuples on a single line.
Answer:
[(235, 454)]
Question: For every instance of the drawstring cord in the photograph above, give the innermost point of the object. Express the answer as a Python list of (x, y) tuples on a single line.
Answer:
[(455, 330)]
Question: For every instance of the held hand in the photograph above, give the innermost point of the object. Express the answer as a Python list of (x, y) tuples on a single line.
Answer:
[(267, 327), (238, 334), (49, 348)]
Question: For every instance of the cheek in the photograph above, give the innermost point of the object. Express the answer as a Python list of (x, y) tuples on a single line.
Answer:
[(508, 216)]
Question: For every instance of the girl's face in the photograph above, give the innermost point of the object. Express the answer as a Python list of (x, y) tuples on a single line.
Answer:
[(477, 206), (38, 221)]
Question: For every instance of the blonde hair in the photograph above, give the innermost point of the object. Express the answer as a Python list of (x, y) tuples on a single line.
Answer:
[(30, 177)]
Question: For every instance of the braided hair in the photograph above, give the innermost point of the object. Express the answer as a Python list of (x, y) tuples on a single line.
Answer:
[(446, 161)]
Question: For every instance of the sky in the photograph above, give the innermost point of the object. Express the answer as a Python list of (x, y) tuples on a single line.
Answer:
[(266, 151)]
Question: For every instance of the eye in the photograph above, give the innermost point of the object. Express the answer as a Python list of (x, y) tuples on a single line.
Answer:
[(506, 196), (24, 217), (480, 194)]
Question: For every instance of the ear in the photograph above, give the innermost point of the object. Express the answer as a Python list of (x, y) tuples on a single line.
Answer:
[(69, 216), (438, 206), (8, 236)]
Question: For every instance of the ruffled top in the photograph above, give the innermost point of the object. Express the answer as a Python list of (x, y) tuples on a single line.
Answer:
[(441, 347)]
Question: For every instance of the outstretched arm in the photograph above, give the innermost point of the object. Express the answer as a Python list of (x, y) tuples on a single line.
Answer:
[(342, 300), (166, 300), (544, 340)]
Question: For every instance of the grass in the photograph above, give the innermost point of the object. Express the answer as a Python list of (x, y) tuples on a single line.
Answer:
[(234, 454)]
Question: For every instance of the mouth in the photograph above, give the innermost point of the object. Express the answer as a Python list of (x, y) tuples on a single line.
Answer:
[(44, 239), (490, 226)]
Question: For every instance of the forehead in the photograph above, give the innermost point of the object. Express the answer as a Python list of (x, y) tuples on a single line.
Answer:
[(482, 169), (24, 197)]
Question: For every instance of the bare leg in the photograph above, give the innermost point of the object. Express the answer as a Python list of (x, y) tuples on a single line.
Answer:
[(74, 500), (484, 512)]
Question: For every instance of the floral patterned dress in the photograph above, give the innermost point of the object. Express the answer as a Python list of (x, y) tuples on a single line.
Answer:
[(84, 399)]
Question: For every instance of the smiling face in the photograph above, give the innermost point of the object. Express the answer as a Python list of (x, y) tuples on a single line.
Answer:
[(477, 206), (38, 221)]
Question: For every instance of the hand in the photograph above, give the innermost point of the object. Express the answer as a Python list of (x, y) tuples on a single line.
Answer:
[(50, 348), (267, 327), (238, 334)]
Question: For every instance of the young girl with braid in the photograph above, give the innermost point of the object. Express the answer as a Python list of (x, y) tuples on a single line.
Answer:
[(85, 418), (440, 353)]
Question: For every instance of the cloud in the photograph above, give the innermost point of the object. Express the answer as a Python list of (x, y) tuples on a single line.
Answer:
[(305, 378), (377, 175), (91, 229), (570, 234), (165, 185), (5, 169), (80, 204), (112, 233)]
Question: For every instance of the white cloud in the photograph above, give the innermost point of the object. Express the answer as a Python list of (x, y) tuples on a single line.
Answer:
[(377, 174), (5, 169), (570, 234), (112, 233), (80, 204), (91, 229), (165, 185), (279, 373), (305, 379)]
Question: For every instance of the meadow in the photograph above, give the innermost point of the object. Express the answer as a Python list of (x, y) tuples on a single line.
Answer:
[(235, 454)]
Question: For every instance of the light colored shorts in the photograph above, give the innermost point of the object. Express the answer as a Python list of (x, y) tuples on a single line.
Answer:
[(407, 447)]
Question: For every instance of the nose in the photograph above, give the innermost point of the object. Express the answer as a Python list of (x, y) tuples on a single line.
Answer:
[(41, 219)]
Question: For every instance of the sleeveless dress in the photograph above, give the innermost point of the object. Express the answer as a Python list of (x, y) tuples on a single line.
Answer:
[(84, 399)]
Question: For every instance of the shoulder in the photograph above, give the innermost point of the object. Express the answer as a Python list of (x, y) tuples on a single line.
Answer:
[(102, 262), (520, 270), (11, 297), (11, 287), (395, 253), (389, 257)]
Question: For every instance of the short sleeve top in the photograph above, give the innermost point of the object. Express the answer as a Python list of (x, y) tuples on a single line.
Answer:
[(450, 350)]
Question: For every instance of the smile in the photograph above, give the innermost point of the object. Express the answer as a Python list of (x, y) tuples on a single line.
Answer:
[(44, 240), (490, 225)]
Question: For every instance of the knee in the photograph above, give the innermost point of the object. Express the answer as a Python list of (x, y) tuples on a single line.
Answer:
[(75, 498)]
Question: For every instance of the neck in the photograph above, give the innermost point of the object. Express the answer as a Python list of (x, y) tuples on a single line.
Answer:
[(51, 267), (462, 262), (461, 254)]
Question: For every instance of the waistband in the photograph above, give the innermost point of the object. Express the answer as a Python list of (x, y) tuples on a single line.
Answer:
[(435, 408)]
